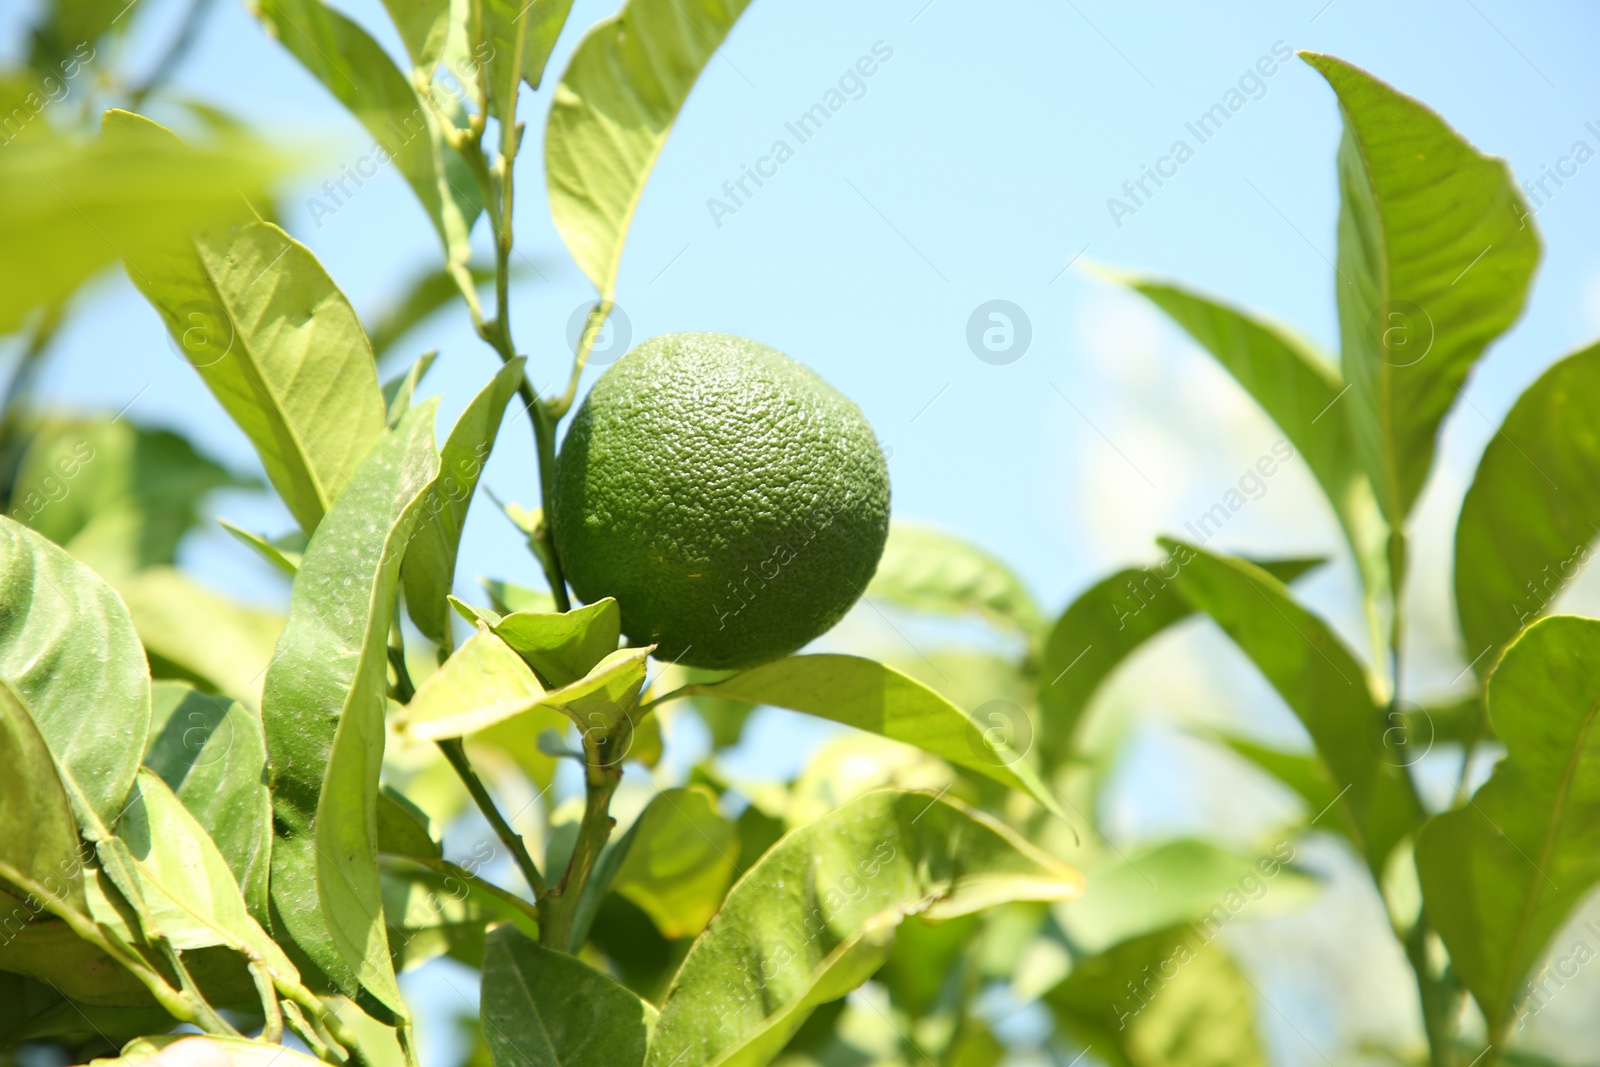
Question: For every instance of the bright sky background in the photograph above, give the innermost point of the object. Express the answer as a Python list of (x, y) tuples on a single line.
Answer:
[(976, 165)]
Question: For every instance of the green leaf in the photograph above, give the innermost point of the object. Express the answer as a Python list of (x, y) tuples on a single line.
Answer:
[(172, 873), (240, 1051), (58, 202), (1110, 621), (284, 552), (1166, 1000), (361, 76), (193, 634), (323, 708), (612, 112), (815, 917), (679, 861), (508, 597), (1502, 873), (1183, 881), (542, 1008), (482, 678), (518, 37), (276, 342), (398, 391), (431, 915), (50, 951), (423, 26), (67, 644), (1528, 521), (870, 696), (212, 753), (405, 829), (116, 496), (38, 837), (928, 570), (429, 570), (1319, 678), (1304, 773), (564, 647), (1435, 258), (424, 295), (1297, 388)]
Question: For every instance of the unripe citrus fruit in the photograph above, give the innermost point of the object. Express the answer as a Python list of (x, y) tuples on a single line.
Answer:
[(733, 502)]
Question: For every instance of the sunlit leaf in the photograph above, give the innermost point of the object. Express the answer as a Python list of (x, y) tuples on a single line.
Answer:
[(1298, 388), (1501, 873), (679, 860), (816, 916), (323, 708), (1528, 522), (398, 391), (870, 696), (1434, 261), (38, 837), (284, 553), (1106, 624), (542, 1008), (1322, 682), (928, 570), (66, 644), (211, 751), (564, 646), (428, 572), (276, 342), (616, 103)]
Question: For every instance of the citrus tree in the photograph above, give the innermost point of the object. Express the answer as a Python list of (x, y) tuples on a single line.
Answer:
[(222, 819)]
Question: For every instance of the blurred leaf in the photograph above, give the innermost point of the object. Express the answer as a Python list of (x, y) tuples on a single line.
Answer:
[(398, 391), (870, 696), (1502, 873), (287, 359), (1434, 262), (49, 950), (1166, 1000), (617, 101), (816, 917), (563, 647), (38, 837), (542, 1008), (1296, 387), (56, 201), (212, 753), (928, 570), (679, 861), (1182, 881), (1303, 773), (429, 569), (116, 496), (192, 634), (1322, 682), (66, 644), (1109, 622), (852, 764), (423, 296), (284, 552), (507, 597), (1528, 522), (924, 961), (324, 706), (240, 1051)]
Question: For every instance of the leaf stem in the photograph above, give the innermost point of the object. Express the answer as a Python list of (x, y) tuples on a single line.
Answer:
[(454, 871), (456, 753), (559, 907)]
